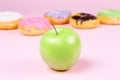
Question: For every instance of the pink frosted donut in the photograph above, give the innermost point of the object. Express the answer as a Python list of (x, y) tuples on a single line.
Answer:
[(34, 26)]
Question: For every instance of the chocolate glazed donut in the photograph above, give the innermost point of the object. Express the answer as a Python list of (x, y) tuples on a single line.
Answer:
[(83, 17)]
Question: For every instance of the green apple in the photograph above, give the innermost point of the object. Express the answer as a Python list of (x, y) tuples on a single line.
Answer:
[(60, 48)]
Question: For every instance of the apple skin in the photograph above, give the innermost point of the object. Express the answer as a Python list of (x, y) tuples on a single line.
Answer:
[(60, 51)]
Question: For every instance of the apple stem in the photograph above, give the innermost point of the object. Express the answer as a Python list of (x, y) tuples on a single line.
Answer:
[(55, 29)]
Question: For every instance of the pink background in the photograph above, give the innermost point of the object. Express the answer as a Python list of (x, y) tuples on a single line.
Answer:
[(100, 57), (36, 7)]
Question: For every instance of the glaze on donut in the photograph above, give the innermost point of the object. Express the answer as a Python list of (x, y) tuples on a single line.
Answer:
[(109, 16), (84, 21), (58, 16), (9, 20), (83, 17), (34, 26)]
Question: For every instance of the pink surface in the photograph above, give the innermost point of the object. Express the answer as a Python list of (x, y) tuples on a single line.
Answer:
[(100, 57), (36, 7)]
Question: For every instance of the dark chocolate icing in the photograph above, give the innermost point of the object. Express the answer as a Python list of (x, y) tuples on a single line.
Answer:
[(83, 17)]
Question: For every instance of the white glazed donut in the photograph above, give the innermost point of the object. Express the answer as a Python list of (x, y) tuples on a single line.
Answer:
[(9, 20)]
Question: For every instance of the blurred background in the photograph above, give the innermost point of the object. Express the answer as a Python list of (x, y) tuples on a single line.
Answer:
[(100, 57), (38, 7)]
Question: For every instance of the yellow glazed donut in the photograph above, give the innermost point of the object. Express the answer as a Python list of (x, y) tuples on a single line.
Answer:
[(109, 16), (9, 20), (34, 26), (84, 21), (58, 16)]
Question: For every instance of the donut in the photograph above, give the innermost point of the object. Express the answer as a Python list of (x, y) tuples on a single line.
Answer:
[(84, 21), (34, 26), (109, 16), (9, 20), (58, 16)]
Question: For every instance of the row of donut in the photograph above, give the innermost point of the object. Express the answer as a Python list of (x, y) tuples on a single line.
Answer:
[(39, 25)]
